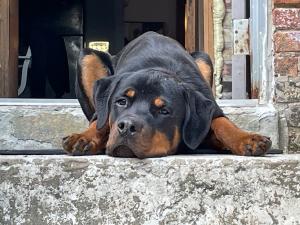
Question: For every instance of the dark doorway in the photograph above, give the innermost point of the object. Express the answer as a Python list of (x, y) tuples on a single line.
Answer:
[(165, 17), (56, 30), (53, 30)]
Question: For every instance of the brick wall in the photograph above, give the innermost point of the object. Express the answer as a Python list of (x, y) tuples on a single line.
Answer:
[(286, 37)]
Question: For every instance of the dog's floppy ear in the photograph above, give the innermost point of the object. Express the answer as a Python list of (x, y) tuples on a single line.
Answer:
[(91, 66), (199, 113), (103, 90)]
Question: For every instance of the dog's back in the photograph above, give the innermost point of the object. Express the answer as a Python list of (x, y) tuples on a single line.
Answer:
[(152, 50)]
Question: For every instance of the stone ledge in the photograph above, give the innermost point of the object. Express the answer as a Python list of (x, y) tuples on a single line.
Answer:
[(197, 189), (36, 124)]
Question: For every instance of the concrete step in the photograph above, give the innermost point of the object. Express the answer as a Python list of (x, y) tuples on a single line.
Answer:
[(198, 189)]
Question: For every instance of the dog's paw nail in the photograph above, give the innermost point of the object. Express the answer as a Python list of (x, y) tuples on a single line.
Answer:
[(88, 147), (65, 138), (248, 150), (259, 152)]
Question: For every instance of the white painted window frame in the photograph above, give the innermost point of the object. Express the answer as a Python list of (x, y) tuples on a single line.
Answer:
[(262, 77), (261, 30)]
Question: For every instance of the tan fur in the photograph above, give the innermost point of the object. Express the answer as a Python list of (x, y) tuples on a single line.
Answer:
[(158, 102), (229, 136), (113, 135), (160, 145), (130, 93), (205, 70), (176, 139), (92, 70), (95, 138)]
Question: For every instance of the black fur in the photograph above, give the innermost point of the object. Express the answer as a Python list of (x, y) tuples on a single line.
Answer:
[(168, 64)]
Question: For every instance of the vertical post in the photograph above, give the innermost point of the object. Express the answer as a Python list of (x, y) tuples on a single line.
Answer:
[(239, 61), (9, 44), (260, 45), (200, 25), (191, 19), (208, 28)]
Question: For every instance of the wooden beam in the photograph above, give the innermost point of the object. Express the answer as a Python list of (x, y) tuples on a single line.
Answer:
[(191, 27), (9, 46), (200, 25), (208, 28)]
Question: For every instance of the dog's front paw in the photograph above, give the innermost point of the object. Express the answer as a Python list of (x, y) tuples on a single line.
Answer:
[(253, 145), (80, 144)]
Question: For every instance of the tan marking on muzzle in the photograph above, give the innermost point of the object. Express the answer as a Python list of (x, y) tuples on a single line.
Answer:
[(112, 136), (176, 139), (160, 145)]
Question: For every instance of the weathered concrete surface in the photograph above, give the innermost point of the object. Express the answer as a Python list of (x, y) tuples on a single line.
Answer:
[(172, 190), (38, 127), (43, 126)]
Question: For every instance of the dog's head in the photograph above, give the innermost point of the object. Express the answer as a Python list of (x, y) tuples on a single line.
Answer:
[(150, 113)]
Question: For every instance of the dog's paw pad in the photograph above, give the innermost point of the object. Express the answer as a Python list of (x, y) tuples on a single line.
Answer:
[(77, 144), (256, 145)]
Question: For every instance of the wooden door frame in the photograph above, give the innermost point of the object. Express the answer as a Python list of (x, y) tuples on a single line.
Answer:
[(191, 25), (9, 47), (199, 28), (208, 28)]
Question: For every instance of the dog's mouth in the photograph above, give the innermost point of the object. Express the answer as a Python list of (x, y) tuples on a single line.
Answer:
[(123, 151)]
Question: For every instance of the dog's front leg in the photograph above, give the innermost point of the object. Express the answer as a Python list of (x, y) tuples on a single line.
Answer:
[(226, 135), (89, 142)]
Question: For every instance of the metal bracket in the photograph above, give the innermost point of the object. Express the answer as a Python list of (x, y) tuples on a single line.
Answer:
[(241, 37)]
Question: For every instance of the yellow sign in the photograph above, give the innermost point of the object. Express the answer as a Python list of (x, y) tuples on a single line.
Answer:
[(99, 45)]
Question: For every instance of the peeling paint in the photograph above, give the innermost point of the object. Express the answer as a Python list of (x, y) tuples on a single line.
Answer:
[(218, 17)]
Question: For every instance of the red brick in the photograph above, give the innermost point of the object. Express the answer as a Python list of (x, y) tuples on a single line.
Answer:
[(287, 41), (286, 1), (286, 18), (286, 66)]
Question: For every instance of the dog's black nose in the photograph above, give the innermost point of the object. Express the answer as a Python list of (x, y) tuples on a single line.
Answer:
[(127, 126)]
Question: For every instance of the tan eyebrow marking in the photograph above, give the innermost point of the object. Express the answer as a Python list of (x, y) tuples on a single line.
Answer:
[(130, 93), (158, 102)]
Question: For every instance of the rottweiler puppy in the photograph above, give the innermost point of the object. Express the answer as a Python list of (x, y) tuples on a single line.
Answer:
[(153, 99)]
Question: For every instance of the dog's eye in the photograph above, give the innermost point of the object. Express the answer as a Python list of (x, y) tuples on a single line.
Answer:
[(164, 111), (121, 102)]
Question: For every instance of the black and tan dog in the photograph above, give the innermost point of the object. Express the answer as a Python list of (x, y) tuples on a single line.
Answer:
[(153, 99)]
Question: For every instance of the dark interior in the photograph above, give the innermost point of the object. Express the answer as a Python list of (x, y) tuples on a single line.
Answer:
[(56, 30)]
